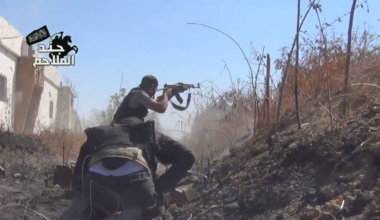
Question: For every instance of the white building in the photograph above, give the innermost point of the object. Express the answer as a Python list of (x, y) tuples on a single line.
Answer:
[(31, 99)]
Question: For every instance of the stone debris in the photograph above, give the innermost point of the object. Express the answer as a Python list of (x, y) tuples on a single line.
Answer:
[(2, 171)]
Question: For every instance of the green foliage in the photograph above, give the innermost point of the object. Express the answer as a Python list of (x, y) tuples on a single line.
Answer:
[(104, 116)]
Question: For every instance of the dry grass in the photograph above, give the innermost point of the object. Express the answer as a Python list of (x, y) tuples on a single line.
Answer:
[(221, 118), (64, 143)]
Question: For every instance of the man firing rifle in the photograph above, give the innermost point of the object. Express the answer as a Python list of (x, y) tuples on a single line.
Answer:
[(134, 108), (133, 178)]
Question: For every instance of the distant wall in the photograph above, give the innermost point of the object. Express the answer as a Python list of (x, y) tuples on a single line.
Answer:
[(68, 117), (47, 111)]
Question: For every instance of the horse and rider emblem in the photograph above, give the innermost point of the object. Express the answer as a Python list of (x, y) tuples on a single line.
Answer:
[(63, 42)]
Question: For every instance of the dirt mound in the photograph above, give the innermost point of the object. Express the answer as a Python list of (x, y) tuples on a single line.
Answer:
[(311, 173), (25, 179)]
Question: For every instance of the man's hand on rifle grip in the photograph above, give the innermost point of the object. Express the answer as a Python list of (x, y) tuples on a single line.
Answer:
[(168, 92)]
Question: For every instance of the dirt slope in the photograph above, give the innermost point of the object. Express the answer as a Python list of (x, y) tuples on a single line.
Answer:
[(306, 174), (27, 180)]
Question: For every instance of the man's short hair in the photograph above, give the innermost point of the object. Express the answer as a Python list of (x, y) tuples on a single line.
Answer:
[(148, 80)]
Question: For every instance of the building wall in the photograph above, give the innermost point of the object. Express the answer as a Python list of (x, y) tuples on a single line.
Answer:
[(78, 124), (72, 119), (75, 124), (28, 86), (10, 37), (67, 118), (62, 108), (49, 94), (7, 66), (10, 49)]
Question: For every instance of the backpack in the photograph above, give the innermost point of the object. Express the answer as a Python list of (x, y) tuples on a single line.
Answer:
[(116, 140)]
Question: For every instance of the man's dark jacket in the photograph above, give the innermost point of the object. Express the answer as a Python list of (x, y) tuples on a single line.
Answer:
[(171, 151)]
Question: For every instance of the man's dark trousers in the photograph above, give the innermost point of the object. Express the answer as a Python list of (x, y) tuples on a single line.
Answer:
[(181, 160), (110, 194)]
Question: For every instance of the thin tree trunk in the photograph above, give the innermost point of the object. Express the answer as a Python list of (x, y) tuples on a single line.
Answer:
[(296, 89), (347, 70), (267, 90), (285, 73)]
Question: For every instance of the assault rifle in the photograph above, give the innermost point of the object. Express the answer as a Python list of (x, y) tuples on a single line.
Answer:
[(175, 88)]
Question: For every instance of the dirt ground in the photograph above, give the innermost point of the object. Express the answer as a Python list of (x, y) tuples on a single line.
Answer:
[(25, 187), (311, 173), (305, 174)]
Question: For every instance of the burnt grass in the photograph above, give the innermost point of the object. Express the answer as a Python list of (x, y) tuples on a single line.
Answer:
[(312, 173), (26, 189)]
